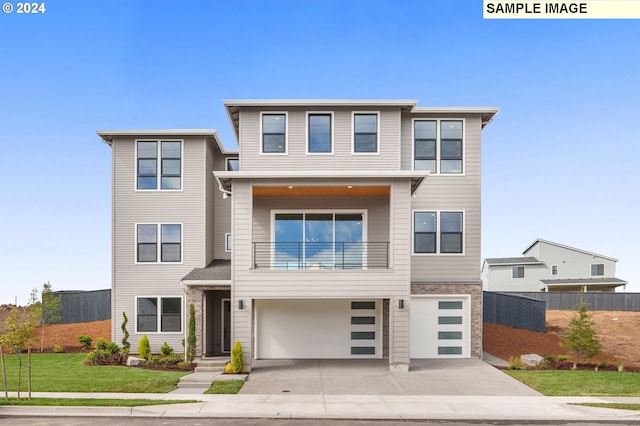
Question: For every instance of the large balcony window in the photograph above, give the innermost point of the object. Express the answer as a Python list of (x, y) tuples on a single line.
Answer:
[(319, 240)]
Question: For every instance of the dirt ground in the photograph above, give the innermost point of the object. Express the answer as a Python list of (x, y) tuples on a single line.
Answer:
[(619, 334)]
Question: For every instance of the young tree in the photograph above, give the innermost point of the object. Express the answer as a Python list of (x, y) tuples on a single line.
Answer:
[(51, 308), (191, 336), (580, 336)]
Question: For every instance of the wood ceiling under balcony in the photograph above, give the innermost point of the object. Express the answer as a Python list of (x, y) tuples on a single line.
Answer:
[(322, 191)]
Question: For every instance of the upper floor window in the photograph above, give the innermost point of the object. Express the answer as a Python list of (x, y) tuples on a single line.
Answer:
[(365, 133), (159, 313), (274, 133), (554, 269), (233, 164), (438, 146), (438, 232), (517, 272), (159, 162), (597, 269), (319, 133), (166, 246)]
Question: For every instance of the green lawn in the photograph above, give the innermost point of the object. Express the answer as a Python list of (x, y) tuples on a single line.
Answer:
[(90, 402), (225, 387), (65, 373), (579, 383), (618, 406)]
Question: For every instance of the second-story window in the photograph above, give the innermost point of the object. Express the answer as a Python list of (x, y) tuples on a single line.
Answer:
[(438, 146), (451, 146), (365, 133), (319, 133), (438, 232), (169, 248), (425, 145), (517, 272), (274, 128), (233, 164), (164, 174), (425, 232), (597, 269)]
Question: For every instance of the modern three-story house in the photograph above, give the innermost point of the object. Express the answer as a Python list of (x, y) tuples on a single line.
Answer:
[(338, 229)]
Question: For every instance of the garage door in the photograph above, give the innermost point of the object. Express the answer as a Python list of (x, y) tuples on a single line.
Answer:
[(298, 329), (439, 327)]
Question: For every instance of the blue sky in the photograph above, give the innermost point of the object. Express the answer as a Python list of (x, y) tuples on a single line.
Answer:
[(559, 161)]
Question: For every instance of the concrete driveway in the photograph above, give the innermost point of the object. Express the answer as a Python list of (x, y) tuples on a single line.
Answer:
[(372, 377)]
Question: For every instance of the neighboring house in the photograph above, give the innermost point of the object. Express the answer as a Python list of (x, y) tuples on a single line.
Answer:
[(338, 229), (549, 266)]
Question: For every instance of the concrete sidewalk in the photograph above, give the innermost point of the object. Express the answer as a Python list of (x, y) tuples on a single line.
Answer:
[(440, 407)]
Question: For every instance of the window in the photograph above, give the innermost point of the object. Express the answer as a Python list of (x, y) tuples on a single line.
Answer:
[(227, 242), (233, 164), (438, 232), (597, 269), (517, 272), (554, 270), (319, 133), (438, 146), (168, 250), (159, 313), (425, 145), (365, 133), (169, 168), (274, 127)]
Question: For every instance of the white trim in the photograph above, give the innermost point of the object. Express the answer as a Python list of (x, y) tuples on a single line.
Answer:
[(365, 224), (227, 242), (286, 132), (271, 174), (158, 243), (438, 150), (353, 132), (438, 224), (331, 131), (159, 314), (158, 165)]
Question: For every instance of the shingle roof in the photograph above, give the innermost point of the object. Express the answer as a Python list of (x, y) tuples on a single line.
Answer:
[(217, 270), (585, 281), (513, 261)]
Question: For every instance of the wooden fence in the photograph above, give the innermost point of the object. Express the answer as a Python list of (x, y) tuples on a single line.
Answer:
[(84, 306)]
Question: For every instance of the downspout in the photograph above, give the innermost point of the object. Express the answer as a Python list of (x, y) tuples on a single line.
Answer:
[(225, 192)]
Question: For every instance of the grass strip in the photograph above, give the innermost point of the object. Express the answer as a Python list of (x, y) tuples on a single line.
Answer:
[(616, 405), (579, 383), (225, 387), (90, 402), (66, 373)]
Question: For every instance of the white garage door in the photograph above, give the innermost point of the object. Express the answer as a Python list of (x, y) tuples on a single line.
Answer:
[(439, 327), (298, 329)]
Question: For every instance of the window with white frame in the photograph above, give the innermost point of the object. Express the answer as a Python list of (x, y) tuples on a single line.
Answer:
[(554, 269), (158, 243), (517, 272), (438, 232), (227, 242), (233, 164), (438, 146), (159, 165), (319, 133), (274, 133), (597, 269), (159, 314), (365, 133)]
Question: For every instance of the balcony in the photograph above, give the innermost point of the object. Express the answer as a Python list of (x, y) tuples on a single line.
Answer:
[(320, 255)]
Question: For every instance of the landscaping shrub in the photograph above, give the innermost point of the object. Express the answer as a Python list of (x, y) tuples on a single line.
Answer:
[(96, 357), (85, 341), (144, 347), (515, 363), (125, 339), (101, 344), (237, 363), (58, 349), (580, 336), (166, 349), (191, 337), (228, 368)]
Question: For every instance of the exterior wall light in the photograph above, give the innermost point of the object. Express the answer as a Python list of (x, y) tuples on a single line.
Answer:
[(401, 304), (241, 304)]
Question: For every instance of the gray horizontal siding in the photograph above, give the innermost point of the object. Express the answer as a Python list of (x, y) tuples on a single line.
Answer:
[(342, 158)]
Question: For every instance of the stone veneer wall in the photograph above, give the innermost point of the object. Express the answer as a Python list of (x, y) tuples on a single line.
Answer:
[(195, 296), (473, 289)]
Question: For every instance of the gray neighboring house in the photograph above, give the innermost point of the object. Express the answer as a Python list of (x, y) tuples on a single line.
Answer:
[(549, 266), (338, 229)]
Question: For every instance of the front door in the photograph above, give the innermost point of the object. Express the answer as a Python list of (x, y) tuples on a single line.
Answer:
[(226, 325)]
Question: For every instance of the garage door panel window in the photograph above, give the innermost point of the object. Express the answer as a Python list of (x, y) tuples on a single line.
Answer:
[(450, 305), (363, 335), (449, 335), (449, 320), (449, 350), (363, 350), (363, 320)]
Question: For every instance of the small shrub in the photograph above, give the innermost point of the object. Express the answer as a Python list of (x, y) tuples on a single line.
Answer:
[(171, 359), (85, 341), (58, 349), (236, 357), (191, 336), (228, 368), (96, 357), (154, 361), (111, 348), (101, 344), (144, 347), (183, 365), (620, 366), (515, 363), (166, 349), (125, 334)]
